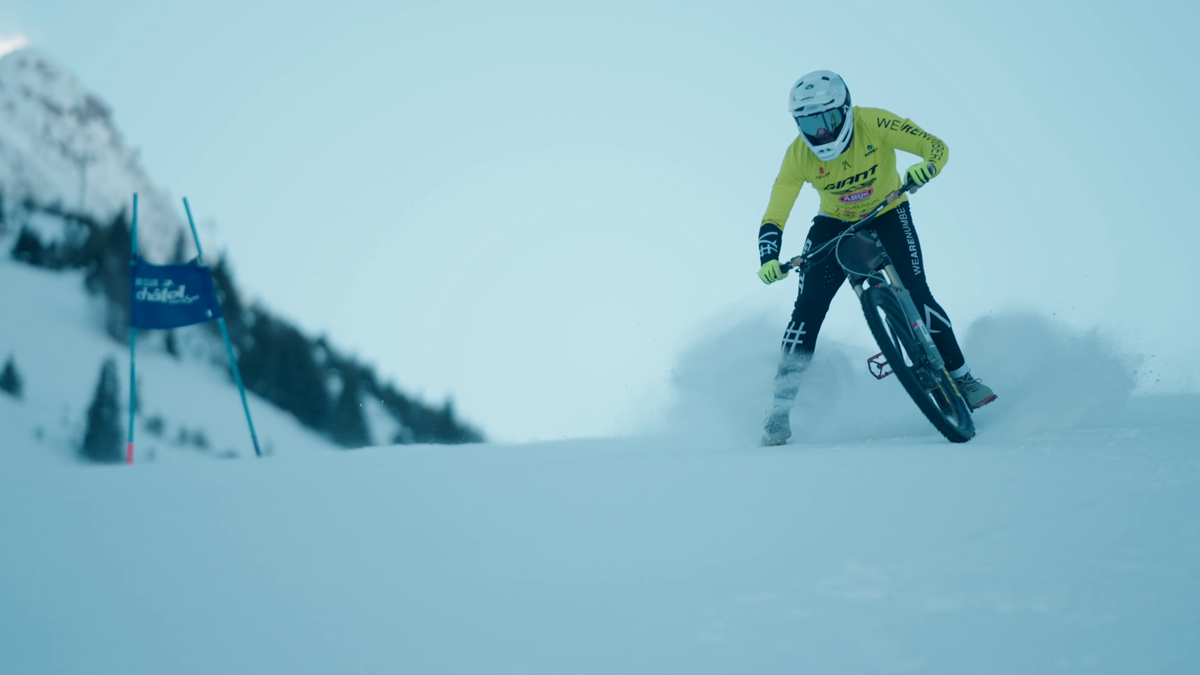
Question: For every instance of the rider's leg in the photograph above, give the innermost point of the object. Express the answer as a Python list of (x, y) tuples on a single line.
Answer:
[(817, 288), (899, 237)]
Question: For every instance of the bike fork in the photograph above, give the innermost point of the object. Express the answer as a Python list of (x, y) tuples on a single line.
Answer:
[(921, 330), (911, 314)]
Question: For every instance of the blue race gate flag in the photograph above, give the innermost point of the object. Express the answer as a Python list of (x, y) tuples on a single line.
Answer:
[(170, 296)]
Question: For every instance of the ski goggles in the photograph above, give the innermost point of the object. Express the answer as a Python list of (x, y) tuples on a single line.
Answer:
[(822, 127)]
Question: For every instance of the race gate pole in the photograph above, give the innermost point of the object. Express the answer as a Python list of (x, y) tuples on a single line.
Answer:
[(237, 375), (132, 338)]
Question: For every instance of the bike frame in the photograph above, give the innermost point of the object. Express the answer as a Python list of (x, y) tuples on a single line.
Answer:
[(872, 258)]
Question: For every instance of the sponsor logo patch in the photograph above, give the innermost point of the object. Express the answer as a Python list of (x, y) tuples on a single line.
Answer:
[(854, 197), (856, 178)]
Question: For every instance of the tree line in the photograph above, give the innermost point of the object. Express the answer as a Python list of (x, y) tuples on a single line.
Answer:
[(306, 376)]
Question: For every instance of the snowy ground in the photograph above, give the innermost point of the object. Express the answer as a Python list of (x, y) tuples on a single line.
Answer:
[(1064, 538), (1072, 551)]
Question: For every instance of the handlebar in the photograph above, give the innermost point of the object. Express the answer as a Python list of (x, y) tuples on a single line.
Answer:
[(797, 262)]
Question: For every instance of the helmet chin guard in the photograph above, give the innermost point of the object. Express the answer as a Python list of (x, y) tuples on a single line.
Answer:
[(820, 104)]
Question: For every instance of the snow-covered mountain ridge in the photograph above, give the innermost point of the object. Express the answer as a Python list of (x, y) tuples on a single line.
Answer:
[(66, 184), (59, 146)]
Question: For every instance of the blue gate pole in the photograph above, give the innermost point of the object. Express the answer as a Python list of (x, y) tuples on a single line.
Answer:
[(237, 375), (132, 339)]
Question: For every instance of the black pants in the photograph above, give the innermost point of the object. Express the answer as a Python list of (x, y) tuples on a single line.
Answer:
[(825, 277)]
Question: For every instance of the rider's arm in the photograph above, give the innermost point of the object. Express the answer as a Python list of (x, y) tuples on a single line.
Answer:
[(901, 133), (783, 197), (786, 189)]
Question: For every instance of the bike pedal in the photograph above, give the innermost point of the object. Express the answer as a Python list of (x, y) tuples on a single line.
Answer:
[(878, 366)]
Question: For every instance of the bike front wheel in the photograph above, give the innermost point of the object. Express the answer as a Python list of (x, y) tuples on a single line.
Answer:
[(932, 389)]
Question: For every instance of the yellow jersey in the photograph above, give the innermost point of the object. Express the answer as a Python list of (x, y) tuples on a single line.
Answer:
[(852, 184)]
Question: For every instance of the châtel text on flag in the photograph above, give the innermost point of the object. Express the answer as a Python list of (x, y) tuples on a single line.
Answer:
[(170, 296)]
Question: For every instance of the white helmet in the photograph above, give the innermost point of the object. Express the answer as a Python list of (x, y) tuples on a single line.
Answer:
[(820, 104)]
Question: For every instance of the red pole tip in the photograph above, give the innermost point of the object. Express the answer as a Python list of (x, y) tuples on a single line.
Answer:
[(129, 453)]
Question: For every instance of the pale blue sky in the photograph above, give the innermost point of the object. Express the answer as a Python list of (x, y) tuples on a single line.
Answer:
[(535, 206)]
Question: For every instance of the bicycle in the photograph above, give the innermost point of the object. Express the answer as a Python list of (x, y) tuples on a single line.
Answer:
[(903, 338)]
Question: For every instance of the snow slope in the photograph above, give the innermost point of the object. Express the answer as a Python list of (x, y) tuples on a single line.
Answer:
[(1071, 552), (1064, 538), (53, 331)]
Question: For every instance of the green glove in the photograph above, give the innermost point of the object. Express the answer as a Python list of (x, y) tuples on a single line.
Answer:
[(921, 174), (770, 272)]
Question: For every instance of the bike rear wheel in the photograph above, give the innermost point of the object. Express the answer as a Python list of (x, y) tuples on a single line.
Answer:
[(933, 390)]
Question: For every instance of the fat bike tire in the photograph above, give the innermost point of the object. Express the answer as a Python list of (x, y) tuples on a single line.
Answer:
[(932, 390)]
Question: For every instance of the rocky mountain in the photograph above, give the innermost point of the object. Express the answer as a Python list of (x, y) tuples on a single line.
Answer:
[(67, 178), (60, 148)]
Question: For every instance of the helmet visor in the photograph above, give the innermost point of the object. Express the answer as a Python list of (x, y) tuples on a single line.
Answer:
[(822, 127)]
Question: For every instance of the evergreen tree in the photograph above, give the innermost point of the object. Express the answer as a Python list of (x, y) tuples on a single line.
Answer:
[(348, 427), (107, 255), (10, 379), (29, 248), (102, 439), (281, 367), (236, 313), (424, 424), (179, 253)]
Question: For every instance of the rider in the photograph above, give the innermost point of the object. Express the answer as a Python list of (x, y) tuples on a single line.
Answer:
[(848, 155)]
